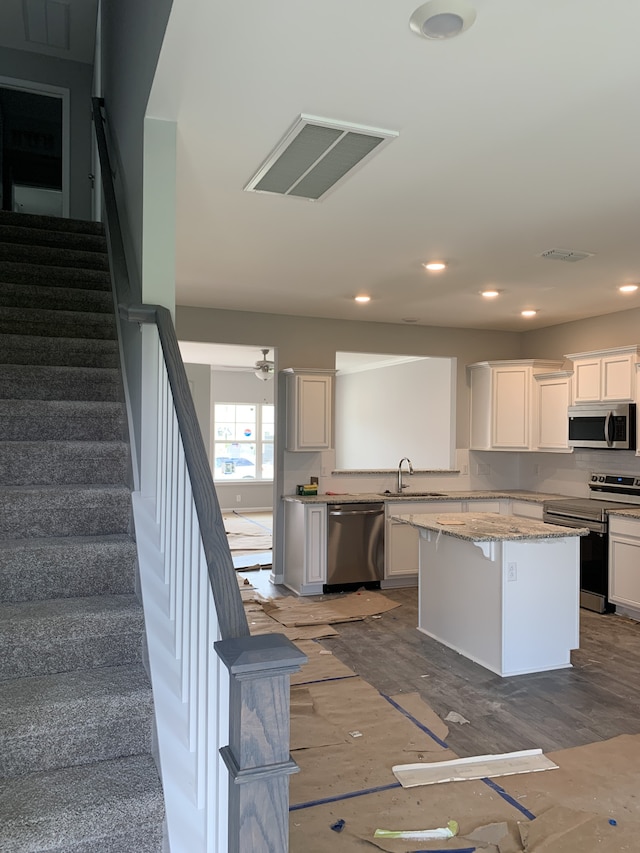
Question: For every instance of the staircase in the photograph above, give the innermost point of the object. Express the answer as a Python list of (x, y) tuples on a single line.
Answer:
[(76, 709)]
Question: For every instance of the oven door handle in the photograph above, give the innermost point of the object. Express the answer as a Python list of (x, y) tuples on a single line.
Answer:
[(607, 429)]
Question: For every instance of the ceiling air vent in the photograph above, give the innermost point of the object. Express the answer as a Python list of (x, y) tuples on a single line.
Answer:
[(315, 155), (565, 255)]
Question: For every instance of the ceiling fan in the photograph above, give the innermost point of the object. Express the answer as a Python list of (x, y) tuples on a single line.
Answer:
[(264, 368)]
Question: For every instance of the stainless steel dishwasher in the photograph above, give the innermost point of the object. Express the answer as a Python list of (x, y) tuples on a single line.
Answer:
[(355, 549)]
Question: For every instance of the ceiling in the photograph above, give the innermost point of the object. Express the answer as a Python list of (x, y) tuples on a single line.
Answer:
[(516, 137)]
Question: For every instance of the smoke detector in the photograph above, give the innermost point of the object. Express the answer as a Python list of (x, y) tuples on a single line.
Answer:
[(442, 19), (264, 368)]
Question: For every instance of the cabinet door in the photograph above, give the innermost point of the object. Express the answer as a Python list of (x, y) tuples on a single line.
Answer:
[(586, 381), (315, 557), (402, 542), (309, 425), (511, 392), (617, 378), (552, 423), (526, 510), (624, 570)]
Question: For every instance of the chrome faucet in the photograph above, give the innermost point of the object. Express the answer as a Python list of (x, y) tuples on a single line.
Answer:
[(401, 486)]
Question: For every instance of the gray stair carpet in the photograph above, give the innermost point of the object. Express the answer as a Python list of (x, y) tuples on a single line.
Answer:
[(77, 773)]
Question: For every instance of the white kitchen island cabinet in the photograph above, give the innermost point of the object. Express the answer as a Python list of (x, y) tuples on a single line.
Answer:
[(500, 590)]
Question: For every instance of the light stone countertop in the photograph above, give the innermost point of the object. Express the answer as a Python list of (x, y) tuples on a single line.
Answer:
[(488, 526), (436, 496), (628, 512)]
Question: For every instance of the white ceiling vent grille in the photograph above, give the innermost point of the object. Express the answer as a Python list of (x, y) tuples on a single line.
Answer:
[(565, 255), (315, 155)]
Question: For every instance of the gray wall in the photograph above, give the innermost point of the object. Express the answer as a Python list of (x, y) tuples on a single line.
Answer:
[(310, 342), (608, 330), (77, 77)]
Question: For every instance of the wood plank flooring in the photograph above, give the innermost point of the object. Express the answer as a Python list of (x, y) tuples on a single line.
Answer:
[(598, 698)]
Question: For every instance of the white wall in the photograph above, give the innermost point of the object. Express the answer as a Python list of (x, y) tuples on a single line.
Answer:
[(385, 413)]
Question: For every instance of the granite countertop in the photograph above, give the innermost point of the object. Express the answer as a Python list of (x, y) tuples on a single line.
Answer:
[(435, 496), (489, 526), (629, 512)]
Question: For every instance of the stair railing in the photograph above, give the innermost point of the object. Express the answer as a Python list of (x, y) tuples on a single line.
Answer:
[(221, 695)]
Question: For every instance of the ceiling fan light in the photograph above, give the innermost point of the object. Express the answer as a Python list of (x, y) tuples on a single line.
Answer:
[(442, 19)]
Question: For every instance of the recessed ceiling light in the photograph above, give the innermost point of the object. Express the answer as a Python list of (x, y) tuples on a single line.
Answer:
[(490, 294), (628, 288), (363, 298), (435, 266), (442, 19), (529, 312)]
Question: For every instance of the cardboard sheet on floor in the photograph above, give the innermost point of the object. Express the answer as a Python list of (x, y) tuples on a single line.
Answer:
[(374, 734), (349, 607), (600, 778), (563, 830), (308, 728), (415, 705), (261, 623), (472, 804), (321, 665)]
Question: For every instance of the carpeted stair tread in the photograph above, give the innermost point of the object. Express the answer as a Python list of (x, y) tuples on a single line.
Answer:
[(64, 634), (56, 298), (21, 272), (108, 807), (65, 324), (67, 567), (27, 511), (78, 352), (21, 235), (46, 463), (51, 223), (74, 718), (53, 382), (54, 257), (53, 420)]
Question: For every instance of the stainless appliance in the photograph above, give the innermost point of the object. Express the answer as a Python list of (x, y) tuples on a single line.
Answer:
[(603, 426), (355, 548), (592, 512)]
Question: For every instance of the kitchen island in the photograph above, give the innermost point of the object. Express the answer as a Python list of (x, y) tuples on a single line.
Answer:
[(501, 590)]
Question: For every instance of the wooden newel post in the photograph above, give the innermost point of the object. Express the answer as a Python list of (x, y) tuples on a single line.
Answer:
[(258, 756)]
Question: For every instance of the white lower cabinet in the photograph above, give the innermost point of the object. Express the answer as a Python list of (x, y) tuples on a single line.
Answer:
[(527, 510), (305, 547), (402, 542), (624, 563)]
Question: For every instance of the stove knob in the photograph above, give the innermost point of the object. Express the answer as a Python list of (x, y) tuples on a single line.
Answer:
[(601, 479), (593, 478)]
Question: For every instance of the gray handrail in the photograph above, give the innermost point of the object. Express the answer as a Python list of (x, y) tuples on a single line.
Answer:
[(222, 576)]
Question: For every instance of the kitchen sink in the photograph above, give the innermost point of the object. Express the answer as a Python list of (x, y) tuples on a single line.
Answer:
[(388, 494)]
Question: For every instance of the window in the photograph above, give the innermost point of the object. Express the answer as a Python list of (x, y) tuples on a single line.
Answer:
[(243, 442)]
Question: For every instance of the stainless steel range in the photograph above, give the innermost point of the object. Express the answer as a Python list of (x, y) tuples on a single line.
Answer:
[(607, 492)]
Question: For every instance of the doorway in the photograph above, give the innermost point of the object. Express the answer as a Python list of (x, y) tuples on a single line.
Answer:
[(34, 148)]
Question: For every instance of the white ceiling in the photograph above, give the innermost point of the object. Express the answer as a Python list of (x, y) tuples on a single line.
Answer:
[(518, 136)]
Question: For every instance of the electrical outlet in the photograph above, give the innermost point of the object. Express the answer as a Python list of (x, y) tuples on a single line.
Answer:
[(512, 571), (238, 498)]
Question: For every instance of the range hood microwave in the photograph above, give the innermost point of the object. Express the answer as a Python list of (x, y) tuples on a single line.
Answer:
[(603, 426)]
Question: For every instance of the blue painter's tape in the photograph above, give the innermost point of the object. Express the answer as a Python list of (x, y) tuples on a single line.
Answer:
[(511, 800), (420, 725), (348, 796), (449, 850), (322, 680)]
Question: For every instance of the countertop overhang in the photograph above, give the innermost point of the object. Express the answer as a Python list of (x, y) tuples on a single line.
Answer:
[(488, 526), (437, 496)]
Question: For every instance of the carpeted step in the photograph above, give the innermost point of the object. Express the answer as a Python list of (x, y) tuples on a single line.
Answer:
[(52, 223), (60, 420), (109, 807), (54, 257), (28, 273), (65, 634), (27, 511), (68, 567), (74, 718), (37, 382), (20, 235), (78, 352), (64, 324), (56, 298), (48, 463)]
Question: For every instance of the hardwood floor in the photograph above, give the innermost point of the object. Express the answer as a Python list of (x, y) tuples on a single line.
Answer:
[(598, 698)]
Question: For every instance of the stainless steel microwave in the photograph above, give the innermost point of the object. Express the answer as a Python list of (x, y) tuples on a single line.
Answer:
[(603, 426)]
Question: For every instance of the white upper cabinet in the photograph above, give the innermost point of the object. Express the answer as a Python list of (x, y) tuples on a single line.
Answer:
[(309, 409), (504, 404), (553, 397), (604, 376)]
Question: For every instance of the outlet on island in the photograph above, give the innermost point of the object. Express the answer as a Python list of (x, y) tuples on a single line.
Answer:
[(238, 498)]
